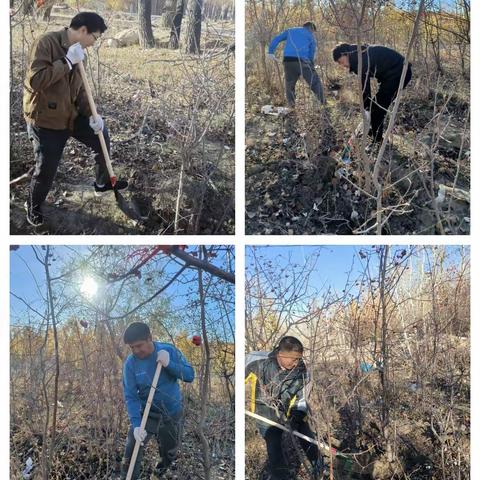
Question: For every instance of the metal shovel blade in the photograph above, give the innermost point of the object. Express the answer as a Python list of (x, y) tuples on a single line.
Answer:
[(128, 208)]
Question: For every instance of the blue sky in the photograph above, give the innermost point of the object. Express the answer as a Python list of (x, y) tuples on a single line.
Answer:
[(24, 264), (332, 267), (408, 3), (334, 263)]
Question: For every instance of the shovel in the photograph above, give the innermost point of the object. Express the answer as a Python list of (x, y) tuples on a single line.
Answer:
[(133, 459), (129, 210)]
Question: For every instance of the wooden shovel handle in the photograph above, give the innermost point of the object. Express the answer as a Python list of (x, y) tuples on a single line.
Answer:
[(93, 109), (133, 458)]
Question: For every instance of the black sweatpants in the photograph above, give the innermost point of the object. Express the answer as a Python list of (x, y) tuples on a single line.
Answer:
[(386, 94), (167, 432), (277, 463), (48, 147), (294, 69)]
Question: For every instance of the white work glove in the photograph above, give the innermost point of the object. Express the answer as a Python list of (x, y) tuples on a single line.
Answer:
[(163, 357), (96, 124), (139, 434), (271, 56), (75, 54)]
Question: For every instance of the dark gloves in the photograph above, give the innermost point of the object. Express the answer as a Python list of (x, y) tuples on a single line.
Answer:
[(296, 419)]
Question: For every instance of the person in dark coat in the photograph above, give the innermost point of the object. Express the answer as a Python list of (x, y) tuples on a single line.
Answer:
[(386, 66), (280, 381)]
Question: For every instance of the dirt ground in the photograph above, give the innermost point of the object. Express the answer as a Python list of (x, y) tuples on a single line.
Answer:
[(145, 97), (84, 455), (296, 182), (414, 414)]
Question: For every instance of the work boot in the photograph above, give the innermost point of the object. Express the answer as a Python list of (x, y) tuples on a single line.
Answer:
[(100, 190), (34, 217)]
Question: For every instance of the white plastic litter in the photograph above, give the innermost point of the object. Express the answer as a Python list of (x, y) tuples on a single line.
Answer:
[(441, 195), (274, 111), (456, 193), (27, 471), (341, 172), (283, 110)]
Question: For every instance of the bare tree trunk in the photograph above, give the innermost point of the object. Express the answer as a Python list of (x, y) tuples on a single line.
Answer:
[(51, 307), (178, 203), (177, 24), (169, 13), (145, 31), (27, 7), (205, 378), (194, 26), (376, 168), (47, 13), (384, 380)]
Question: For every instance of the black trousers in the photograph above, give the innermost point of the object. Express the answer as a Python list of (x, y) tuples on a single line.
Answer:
[(277, 464), (48, 147), (386, 94), (167, 432), (296, 69)]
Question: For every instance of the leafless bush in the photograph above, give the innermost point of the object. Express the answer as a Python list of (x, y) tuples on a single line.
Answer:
[(388, 355), (393, 190), (67, 354)]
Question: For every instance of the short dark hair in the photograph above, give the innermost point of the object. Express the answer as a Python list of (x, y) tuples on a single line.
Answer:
[(310, 25), (290, 344), (91, 20), (342, 49), (136, 332)]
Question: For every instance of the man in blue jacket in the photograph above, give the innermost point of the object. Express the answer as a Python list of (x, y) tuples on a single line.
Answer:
[(298, 59), (166, 413)]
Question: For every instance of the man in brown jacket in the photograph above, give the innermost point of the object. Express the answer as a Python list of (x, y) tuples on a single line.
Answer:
[(56, 107)]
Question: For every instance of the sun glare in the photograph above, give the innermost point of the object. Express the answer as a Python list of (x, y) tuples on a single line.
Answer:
[(89, 287)]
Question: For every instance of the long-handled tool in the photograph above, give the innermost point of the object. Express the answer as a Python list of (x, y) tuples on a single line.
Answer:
[(133, 459), (323, 446), (128, 208), (93, 109)]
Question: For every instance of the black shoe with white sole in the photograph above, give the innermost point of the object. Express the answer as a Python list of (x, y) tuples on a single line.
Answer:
[(120, 185)]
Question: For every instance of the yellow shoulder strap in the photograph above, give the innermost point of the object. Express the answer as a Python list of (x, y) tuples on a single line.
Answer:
[(291, 404), (252, 378)]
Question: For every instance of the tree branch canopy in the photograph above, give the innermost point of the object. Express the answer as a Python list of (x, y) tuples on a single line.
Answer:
[(192, 261)]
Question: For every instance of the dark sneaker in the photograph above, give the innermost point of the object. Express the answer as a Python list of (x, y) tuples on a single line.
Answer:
[(120, 185), (34, 217)]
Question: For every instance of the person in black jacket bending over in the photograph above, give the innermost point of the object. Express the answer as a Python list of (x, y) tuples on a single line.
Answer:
[(280, 383), (386, 66)]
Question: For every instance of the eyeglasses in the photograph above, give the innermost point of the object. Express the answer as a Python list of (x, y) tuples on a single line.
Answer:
[(96, 37), (291, 357)]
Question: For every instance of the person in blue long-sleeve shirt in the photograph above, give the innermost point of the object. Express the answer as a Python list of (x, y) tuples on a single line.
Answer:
[(298, 59), (165, 419)]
